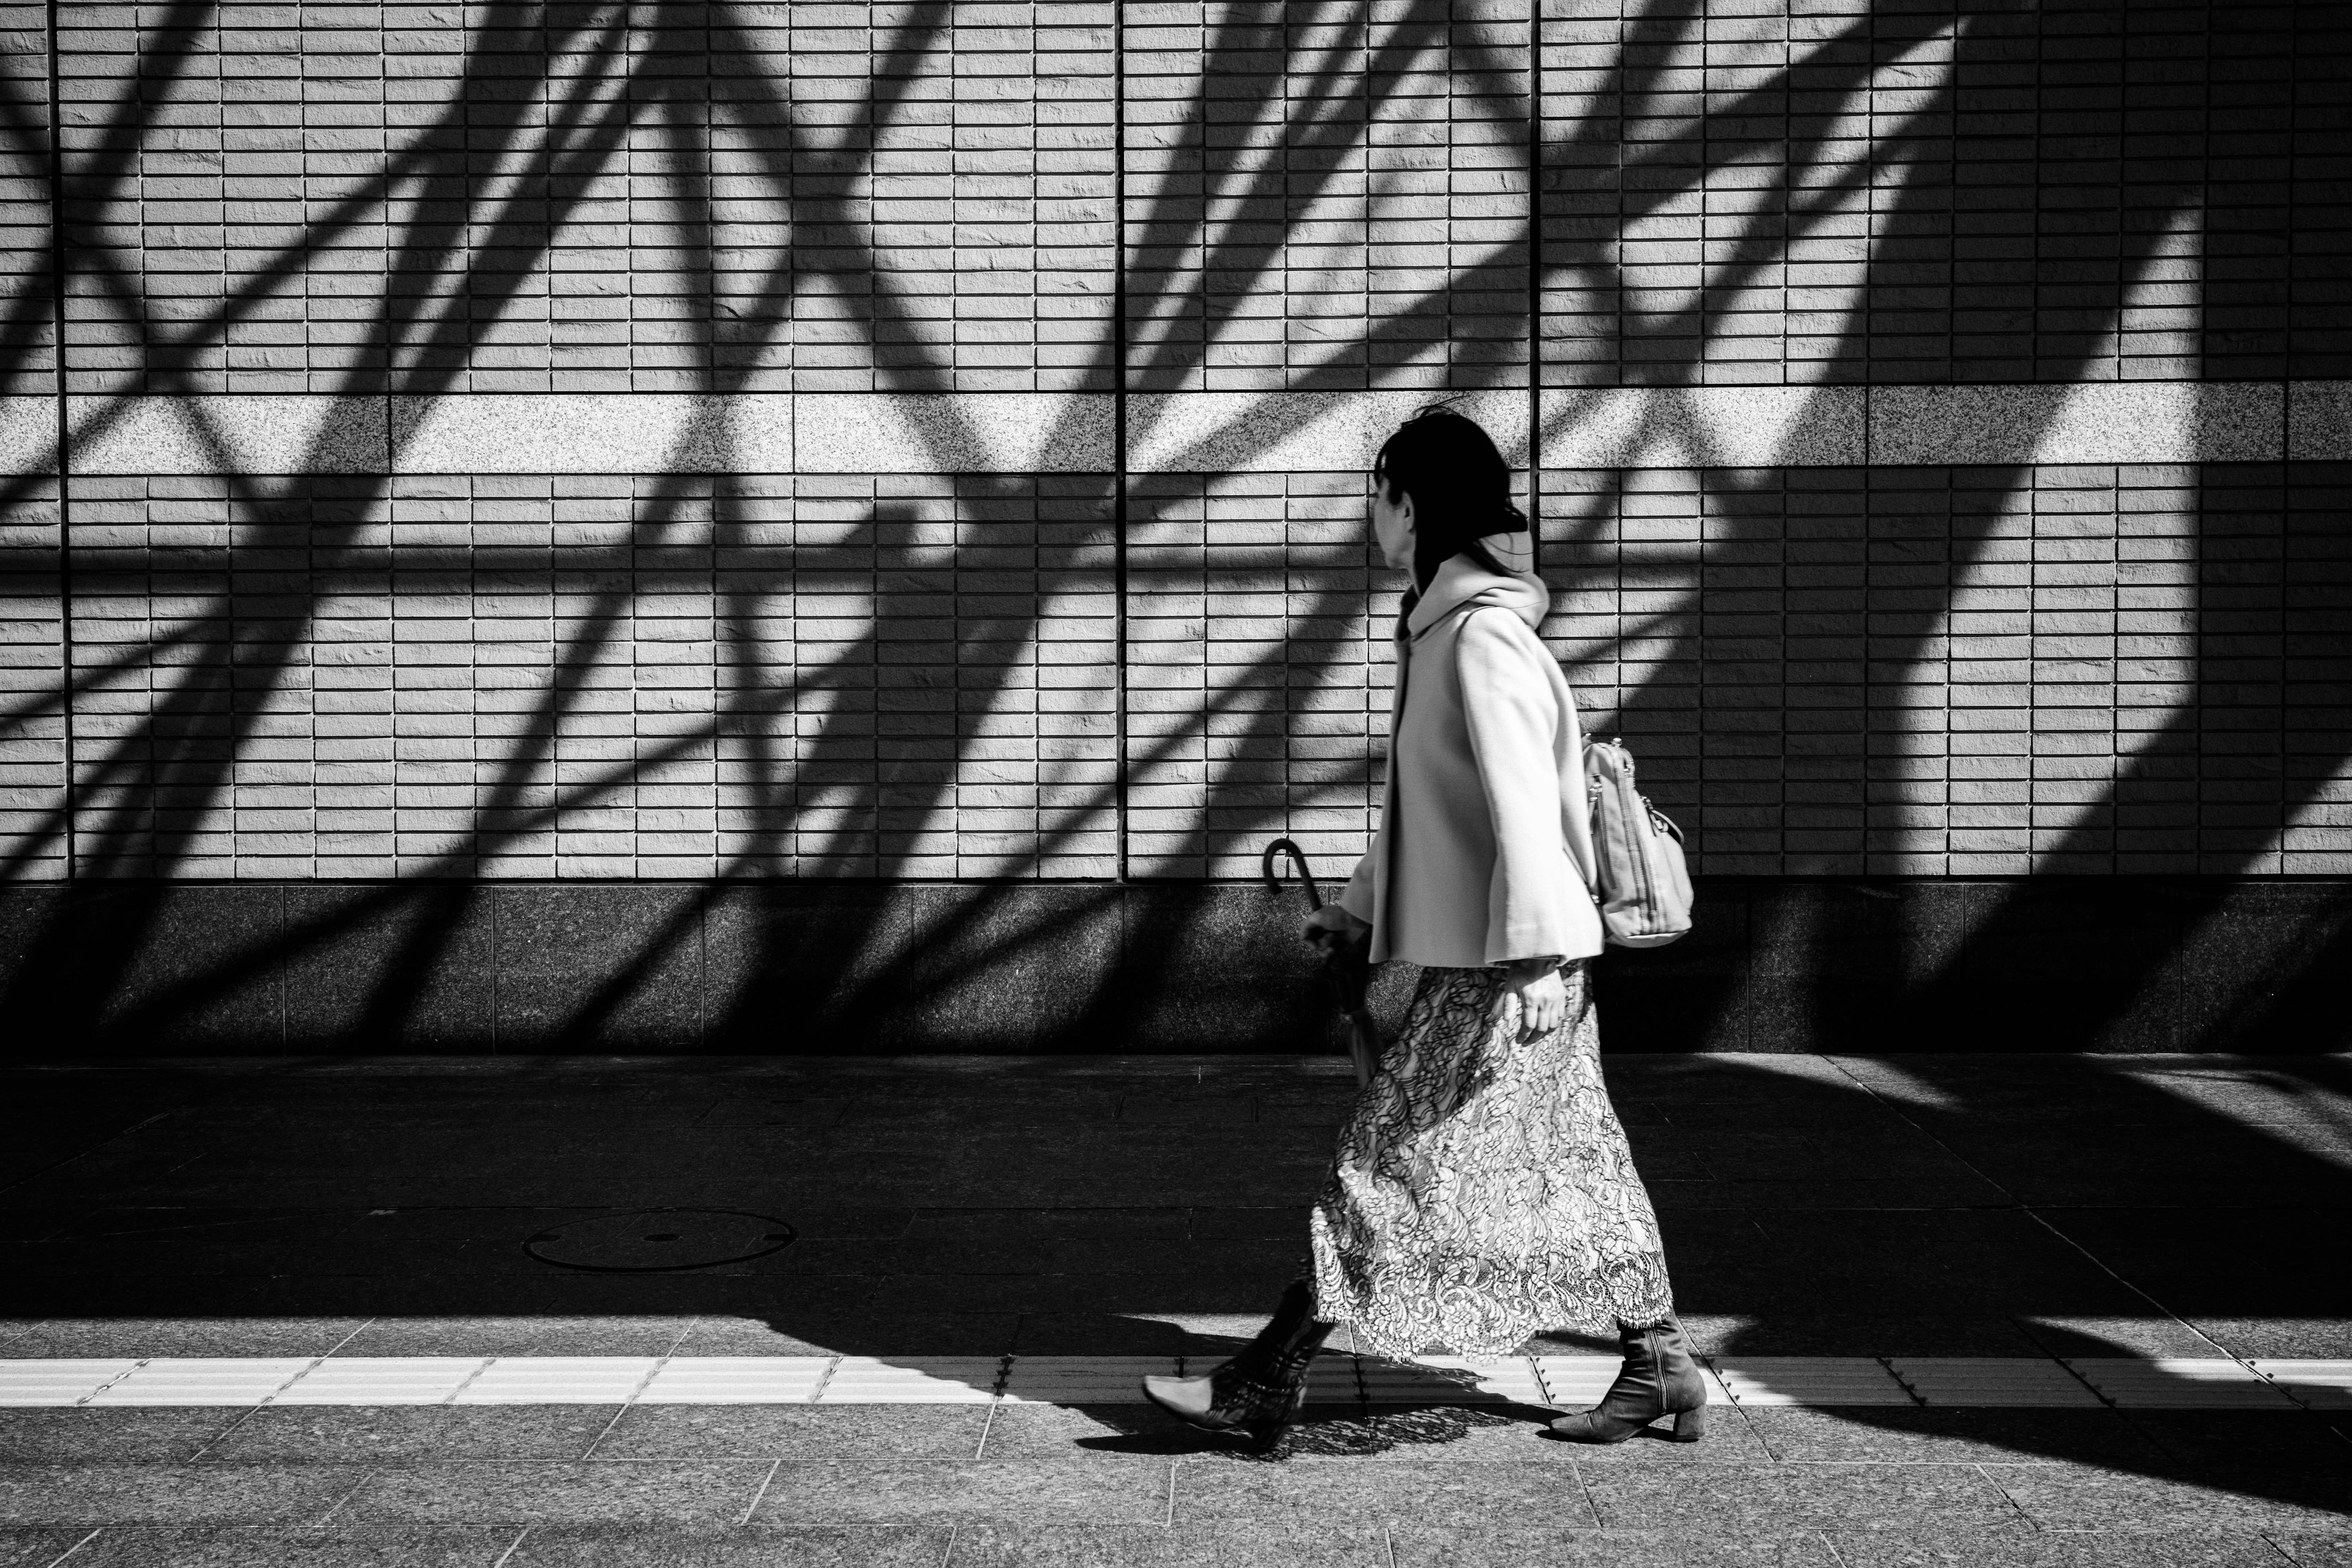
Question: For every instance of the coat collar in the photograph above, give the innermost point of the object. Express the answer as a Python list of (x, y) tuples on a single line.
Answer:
[(1462, 582)]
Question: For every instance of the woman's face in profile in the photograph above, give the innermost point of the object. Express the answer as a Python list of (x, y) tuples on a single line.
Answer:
[(1393, 525)]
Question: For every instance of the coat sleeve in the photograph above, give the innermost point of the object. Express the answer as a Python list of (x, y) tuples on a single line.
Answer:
[(1536, 906)]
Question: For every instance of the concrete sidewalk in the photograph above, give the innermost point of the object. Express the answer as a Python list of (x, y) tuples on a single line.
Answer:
[(2033, 1310)]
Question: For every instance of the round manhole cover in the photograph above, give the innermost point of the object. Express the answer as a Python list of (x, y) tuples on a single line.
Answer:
[(649, 1241)]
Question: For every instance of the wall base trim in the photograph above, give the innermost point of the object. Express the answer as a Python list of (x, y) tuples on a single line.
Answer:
[(2111, 963)]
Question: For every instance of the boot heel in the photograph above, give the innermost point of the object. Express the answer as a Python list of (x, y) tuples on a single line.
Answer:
[(1690, 1425)]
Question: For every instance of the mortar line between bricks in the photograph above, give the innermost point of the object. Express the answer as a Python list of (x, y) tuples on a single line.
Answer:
[(760, 1496), (1118, 504), (66, 704), (512, 1547), (947, 1554), (1535, 295)]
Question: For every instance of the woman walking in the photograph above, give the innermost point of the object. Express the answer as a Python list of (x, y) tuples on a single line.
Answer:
[(1483, 1191)]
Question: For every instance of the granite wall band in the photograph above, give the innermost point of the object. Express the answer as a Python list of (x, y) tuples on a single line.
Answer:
[(1015, 433)]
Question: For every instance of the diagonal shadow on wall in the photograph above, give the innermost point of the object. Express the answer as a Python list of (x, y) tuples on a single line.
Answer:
[(141, 798)]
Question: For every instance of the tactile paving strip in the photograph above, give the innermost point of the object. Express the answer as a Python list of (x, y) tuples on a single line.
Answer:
[(736, 1380), (2169, 1384), (56, 1383), (1083, 1380), (383, 1380), (1566, 1382), (557, 1380), (2321, 1385), (203, 1379), (2026, 1381), (1766, 1380), (912, 1380)]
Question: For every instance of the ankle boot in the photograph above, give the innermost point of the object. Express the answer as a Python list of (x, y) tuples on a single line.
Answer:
[(1659, 1378), (1261, 1391)]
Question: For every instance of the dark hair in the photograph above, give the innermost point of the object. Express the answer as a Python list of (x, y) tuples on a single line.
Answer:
[(1460, 487)]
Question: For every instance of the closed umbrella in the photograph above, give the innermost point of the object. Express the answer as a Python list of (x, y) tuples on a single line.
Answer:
[(1347, 969)]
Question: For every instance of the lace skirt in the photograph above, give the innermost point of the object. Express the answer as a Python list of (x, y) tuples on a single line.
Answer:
[(1483, 1191)]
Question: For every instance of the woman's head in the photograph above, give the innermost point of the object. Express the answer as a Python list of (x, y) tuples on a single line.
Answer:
[(1440, 482)]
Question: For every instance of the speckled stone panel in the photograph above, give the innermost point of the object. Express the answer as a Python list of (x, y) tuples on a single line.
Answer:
[(229, 434), (638, 433), (2095, 422)]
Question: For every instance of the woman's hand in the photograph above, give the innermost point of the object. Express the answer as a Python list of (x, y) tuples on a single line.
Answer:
[(1543, 998), (1332, 925)]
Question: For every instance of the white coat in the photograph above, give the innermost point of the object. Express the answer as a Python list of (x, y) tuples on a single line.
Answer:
[(1485, 849)]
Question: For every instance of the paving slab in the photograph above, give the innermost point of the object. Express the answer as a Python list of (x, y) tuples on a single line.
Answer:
[(374, 1433), (90, 1494), (657, 1492), (399, 1546), (1332, 1545), (2128, 1549), (1758, 1497), (65, 1437), (2083, 1497), (1227, 1491), (24, 1548), (1102, 1490), (844, 1432), (1943, 1435), (1532, 1545), (2314, 1548), (816, 1546), (2231, 1440), (1069, 1431)]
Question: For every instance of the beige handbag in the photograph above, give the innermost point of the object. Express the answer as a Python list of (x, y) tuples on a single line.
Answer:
[(1644, 893)]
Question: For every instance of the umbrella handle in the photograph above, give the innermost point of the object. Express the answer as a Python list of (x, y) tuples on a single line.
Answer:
[(1298, 860)]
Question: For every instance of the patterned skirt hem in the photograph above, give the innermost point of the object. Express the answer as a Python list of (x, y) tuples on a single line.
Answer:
[(1398, 1320)]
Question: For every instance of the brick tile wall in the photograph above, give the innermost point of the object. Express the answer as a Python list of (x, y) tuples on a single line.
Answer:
[(1257, 686), (1968, 671), (32, 648), (983, 671)]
